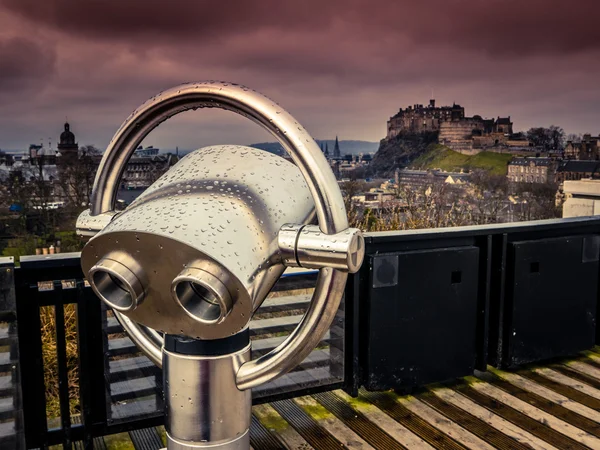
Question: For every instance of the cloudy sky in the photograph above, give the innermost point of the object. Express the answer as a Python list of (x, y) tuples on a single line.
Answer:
[(340, 66)]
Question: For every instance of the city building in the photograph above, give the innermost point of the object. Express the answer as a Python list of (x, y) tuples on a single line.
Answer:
[(419, 118), (420, 178), (469, 135), (67, 147), (336, 149), (581, 198), (344, 166), (142, 171), (42, 163), (377, 198), (148, 151), (576, 170), (588, 149), (530, 170), (6, 159)]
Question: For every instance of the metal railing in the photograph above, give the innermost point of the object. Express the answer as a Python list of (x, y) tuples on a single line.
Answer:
[(427, 306)]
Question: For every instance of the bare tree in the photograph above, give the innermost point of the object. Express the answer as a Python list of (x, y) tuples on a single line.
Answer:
[(350, 189), (76, 177), (556, 136), (538, 201), (488, 196), (31, 189), (552, 137), (434, 206)]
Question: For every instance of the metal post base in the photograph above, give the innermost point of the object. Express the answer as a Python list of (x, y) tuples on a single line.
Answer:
[(241, 443), (204, 409)]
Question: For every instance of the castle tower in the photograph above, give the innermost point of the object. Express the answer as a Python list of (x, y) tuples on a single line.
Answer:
[(67, 147), (336, 149)]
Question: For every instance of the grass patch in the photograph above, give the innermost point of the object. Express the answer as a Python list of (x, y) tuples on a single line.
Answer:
[(120, 441), (270, 418), (439, 156), (50, 358), (358, 402), (314, 409)]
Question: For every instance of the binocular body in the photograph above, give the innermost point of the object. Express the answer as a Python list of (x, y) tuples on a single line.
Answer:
[(198, 251)]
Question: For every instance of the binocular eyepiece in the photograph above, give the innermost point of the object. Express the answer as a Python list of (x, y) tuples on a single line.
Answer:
[(201, 295)]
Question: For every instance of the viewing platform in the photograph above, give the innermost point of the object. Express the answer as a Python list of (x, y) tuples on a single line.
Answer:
[(474, 337)]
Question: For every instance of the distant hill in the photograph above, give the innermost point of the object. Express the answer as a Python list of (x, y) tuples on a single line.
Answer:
[(422, 151), (441, 157), (346, 147)]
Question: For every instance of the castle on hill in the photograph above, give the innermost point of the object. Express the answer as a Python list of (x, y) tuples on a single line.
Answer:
[(469, 135)]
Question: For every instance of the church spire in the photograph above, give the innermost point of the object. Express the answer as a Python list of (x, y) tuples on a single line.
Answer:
[(336, 149)]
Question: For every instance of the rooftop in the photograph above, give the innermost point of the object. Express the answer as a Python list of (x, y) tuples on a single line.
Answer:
[(527, 161), (579, 166)]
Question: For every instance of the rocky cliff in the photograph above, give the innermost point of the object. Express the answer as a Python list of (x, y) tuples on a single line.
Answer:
[(400, 151)]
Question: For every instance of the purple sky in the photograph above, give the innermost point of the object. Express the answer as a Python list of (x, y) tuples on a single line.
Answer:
[(341, 67)]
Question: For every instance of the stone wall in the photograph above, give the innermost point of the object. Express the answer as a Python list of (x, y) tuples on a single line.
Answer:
[(458, 135)]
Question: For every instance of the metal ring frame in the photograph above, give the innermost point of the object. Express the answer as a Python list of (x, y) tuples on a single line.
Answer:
[(330, 209)]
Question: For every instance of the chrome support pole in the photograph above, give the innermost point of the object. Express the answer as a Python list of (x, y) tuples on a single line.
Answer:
[(204, 409)]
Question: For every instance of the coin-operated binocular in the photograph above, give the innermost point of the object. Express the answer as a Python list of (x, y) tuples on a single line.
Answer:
[(188, 262)]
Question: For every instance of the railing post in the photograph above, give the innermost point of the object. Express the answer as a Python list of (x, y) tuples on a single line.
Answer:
[(91, 362), (63, 371), (352, 335), (31, 361), (483, 301), (8, 316)]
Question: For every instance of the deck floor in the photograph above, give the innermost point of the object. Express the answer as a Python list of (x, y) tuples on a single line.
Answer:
[(556, 406), (553, 406)]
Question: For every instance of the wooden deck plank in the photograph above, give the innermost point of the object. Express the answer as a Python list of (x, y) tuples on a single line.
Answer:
[(445, 425), (413, 422), (358, 422), (316, 435), (537, 414), (272, 421), (525, 422), (504, 426), (396, 430), (338, 429), (559, 399), (469, 422)]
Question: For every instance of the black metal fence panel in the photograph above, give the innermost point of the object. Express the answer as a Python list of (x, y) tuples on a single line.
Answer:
[(518, 293), (553, 290), (422, 314)]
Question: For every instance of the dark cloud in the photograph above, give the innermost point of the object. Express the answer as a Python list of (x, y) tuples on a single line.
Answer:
[(511, 27), (24, 64), (154, 19), (341, 66)]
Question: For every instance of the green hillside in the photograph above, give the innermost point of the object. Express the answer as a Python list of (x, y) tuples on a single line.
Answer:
[(441, 157)]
